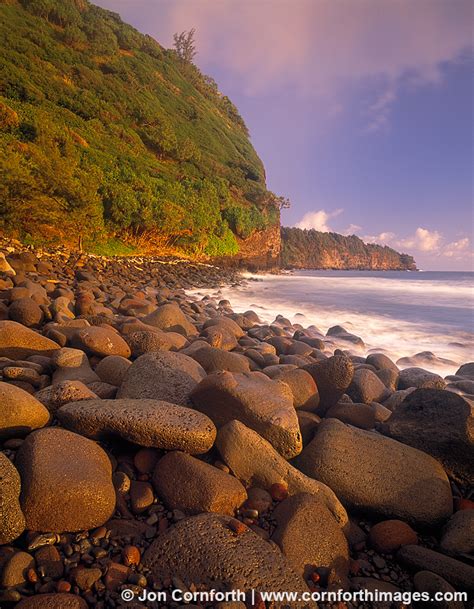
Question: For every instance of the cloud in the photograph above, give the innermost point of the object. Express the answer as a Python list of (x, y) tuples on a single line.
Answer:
[(424, 241), (318, 220), (457, 249)]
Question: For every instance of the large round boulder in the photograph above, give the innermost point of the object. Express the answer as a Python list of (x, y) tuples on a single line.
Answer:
[(332, 376), (377, 475), (440, 423), (170, 317), (66, 482), (259, 402), (162, 375), (210, 550)]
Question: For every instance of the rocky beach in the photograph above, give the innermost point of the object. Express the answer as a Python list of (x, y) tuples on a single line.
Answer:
[(152, 440)]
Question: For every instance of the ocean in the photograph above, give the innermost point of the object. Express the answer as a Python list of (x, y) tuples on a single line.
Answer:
[(394, 312)]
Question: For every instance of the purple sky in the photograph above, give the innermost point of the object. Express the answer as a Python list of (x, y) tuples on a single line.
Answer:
[(361, 111)]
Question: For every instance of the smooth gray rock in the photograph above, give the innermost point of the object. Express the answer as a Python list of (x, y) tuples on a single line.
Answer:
[(458, 533), (378, 475), (440, 423), (162, 375)]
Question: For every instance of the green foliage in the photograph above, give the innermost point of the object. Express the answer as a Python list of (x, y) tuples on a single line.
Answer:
[(101, 129), (111, 247), (317, 250)]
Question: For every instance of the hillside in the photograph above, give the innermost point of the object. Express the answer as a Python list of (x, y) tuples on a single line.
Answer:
[(105, 132), (312, 249)]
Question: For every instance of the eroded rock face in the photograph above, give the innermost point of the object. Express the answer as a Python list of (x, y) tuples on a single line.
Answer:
[(256, 463), (205, 549), (66, 482), (370, 472), (12, 521), (193, 486), (259, 402), (309, 536), (145, 422), (162, 375), (440, 423)]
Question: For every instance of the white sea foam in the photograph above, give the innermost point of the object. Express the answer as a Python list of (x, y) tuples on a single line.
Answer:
[(401, 314)]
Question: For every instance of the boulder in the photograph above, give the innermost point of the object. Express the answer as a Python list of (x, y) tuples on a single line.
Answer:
[(466, 370), (19, 342), (20, 412), (430, 583), (458, 534), (377, 475), (25, 311), (259, 402), (52, 601), (170, 317), (213, 359), (255, 462), (420, 378), (14, 572), (457, 573), (193, 486), (142, 341), (101, 341), (112, 369), (381, 362), (308, 422), (162, 375), (440, 423), (302, 385), (366, 387), (332, 376), (55, 396), (359, 415), (12, 521), (310, 538), (150, 423), (72, 365), (207, 549), (66, 482)]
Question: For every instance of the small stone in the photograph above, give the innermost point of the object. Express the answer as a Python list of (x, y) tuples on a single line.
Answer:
[(388, 536), (279, 491), (146, 459), (15, 570), (131, 555), (121, 482), (238, 527), (85, 578), (63, 586), (116, 575), (141, 496)]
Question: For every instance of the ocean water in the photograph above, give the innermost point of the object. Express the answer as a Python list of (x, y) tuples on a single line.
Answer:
[(398, 313)]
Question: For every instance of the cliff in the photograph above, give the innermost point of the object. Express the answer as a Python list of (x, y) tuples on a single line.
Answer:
[(106, 133), (311, 249)]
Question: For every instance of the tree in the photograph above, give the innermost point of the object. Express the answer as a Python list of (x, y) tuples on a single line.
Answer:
[(185, 46)]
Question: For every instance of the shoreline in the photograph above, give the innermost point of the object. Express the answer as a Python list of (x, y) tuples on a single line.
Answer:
[(147, 429)]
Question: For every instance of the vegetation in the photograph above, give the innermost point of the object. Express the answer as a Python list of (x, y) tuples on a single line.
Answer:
[(105, 132), (312, 249)]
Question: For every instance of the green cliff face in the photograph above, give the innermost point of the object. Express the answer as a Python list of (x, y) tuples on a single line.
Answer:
[(103, 131), (311, 249)]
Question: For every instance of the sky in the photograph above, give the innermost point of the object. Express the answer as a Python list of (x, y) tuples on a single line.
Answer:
[(361, 110)]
